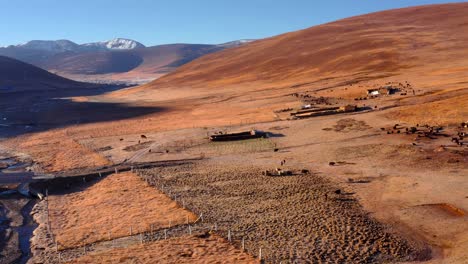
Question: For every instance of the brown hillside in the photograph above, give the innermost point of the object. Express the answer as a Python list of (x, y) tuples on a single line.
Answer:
[(14, 73), (384, 43), (153, 60)]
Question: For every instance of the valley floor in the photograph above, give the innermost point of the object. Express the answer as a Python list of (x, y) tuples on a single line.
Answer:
[(371, 194)]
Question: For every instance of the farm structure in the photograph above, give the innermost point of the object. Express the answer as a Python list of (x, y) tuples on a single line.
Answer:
[(386, 90), (238, 136), (323, 111)]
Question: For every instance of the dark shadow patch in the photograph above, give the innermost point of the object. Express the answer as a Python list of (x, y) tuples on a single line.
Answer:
[(24, 112)]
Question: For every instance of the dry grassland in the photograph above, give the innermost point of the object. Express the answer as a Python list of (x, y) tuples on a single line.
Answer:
[(192, 249), (109, 209)]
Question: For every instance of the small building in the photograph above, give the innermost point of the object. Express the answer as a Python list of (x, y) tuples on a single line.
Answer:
[(239, 136), (373, 91), (388, 90)]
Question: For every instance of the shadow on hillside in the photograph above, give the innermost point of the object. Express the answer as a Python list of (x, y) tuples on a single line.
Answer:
[(35, 111)]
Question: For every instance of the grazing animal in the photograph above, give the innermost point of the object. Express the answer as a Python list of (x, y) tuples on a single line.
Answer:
[(338, 191), (276, 150), (143, 136), (121, 139), (331, 163)]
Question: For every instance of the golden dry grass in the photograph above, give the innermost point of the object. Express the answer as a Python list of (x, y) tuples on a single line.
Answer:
[(448, 111), (55, 151), (109, 208), (178, 250), (385, 42)]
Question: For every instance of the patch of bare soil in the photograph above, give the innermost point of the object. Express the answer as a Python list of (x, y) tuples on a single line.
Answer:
[(189, 249), (117, 206), (349, 125), (297, 218), (139, 146), (448, 209)]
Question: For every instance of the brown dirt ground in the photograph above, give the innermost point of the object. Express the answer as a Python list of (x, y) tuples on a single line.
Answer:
[(115, 204), (297, 218)]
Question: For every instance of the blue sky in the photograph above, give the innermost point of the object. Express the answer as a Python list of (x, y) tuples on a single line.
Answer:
[(154, 22)]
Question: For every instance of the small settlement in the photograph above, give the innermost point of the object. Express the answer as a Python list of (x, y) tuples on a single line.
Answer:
[(305, 113)]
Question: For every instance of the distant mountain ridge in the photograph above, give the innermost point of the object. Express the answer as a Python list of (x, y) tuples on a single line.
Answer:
[(116, 56), (63, 45)]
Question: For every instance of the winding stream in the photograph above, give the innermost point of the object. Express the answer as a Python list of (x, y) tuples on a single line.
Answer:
[(17, 172), (25, 231)]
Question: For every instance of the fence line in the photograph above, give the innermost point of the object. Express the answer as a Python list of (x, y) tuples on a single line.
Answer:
[(146, 235)]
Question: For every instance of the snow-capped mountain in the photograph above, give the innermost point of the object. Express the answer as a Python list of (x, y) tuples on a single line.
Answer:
[(116, 44), (114, 56), (57, 46), (50, 45)]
